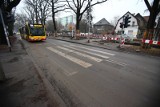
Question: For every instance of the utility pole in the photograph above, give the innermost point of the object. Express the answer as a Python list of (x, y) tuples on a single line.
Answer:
[(89, 20), (72, 26)]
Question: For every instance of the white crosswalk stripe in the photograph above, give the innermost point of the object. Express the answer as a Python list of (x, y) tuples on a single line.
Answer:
[(81, 54), (106, 53), (99, 55), (73, 59), (116, 62), (102, 56)]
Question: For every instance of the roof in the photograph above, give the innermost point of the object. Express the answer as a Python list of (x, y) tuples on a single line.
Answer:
[(144, 18), (124, 15), (102, 22)]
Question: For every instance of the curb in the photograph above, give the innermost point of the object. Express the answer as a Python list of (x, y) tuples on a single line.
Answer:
[(50, 89)]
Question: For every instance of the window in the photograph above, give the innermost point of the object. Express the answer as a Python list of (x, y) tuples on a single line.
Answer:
[(130, 32), (133, 23)]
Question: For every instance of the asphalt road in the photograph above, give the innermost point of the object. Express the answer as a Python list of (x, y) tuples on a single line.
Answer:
[(87, 76)]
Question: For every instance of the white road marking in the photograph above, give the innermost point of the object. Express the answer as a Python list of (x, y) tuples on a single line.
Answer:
[(95, 50), (73, 73), (69, 73), (108, 60), (102, 56), (73, 59), (115, 62), (81, 54)]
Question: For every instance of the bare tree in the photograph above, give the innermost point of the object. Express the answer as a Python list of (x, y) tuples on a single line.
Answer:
[(44, 9), (40, 9), (49, 26), (21, 18), (84, 26), (6, 7), (115, 20), (57, 6), (154, 9), (30, 12), (12, 4), (85, 21), (33, 4), (79, 7)]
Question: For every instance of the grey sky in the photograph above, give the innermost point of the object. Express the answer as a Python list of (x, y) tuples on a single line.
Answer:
[(111, 8)]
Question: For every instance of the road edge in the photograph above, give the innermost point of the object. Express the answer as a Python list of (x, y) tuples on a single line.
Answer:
[(50, 89)]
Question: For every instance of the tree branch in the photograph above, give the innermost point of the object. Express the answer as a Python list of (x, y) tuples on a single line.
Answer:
[(71, 7), (12, 4), (59, 10), (148, 5), (98, 2)]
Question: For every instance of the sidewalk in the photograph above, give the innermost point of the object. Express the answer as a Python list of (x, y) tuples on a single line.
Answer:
[(22, 87), (112, 46)]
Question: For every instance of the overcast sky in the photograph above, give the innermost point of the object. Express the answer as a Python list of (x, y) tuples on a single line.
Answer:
[(111, 8)]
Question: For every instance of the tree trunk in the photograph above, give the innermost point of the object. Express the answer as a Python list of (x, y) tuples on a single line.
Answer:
[(77, 23), (36, 17), (77, 26), (151, 23), (54, 25), (53, 18), (78, 20), (36, 12)]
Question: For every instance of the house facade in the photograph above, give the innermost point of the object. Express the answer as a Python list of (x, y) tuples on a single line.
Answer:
[(102, 27), (156, 35), (137, 25)]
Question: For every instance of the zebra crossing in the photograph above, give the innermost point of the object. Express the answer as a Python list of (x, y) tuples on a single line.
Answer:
[(88, 53), (81, 54), (71, 58)]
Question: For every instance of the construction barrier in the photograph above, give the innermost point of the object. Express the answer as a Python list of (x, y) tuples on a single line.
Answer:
[(150, 42), (103, 37)]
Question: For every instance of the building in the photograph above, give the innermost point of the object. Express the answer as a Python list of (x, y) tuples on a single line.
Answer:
[(103, 27), (137, 25), (156, 35)]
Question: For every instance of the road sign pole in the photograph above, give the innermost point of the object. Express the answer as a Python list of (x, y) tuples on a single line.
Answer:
[(5, 30), (120, 39)]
